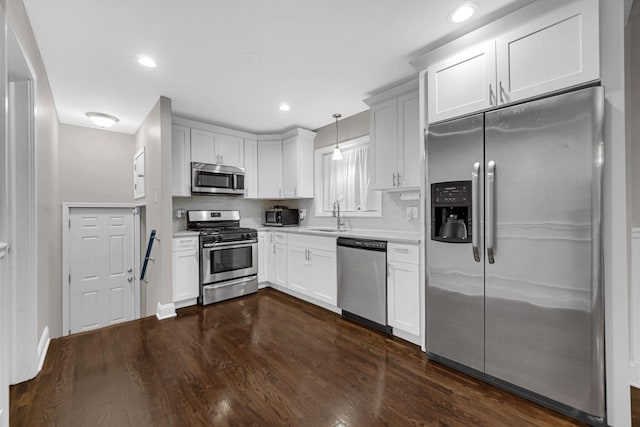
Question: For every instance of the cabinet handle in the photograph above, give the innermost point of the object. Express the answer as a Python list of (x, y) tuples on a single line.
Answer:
[(222, 159), (394, 179), (398, 179), (295, 191), (280, 192), (490, 95), (501, 90)]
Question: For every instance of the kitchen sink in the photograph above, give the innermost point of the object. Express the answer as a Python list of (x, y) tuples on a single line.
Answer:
[(326, 230)]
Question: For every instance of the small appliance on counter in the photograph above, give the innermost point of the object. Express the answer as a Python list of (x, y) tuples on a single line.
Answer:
[(281, 216)]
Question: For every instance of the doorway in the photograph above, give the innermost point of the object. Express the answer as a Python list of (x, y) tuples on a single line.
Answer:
[(99, 267)]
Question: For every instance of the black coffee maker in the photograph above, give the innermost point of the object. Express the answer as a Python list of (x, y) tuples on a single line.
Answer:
[(451, 212)]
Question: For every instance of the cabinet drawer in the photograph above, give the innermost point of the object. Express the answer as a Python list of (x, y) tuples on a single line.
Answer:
[(403, 253), (322, 243), (279, 237), (185, 243)]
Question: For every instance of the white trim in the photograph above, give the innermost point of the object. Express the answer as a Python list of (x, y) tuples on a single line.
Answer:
[(43, 346), (634, 310), (66, 209), (413, 339), (186, 303), (319, 190), (166, 311), (304, 297)]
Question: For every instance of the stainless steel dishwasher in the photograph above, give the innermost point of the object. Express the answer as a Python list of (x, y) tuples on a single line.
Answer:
[(362, 281)]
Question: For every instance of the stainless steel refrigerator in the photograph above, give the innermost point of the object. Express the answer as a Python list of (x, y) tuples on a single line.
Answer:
[(514, 261)]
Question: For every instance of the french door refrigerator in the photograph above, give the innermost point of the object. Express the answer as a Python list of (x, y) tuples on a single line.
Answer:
[(514, 264)]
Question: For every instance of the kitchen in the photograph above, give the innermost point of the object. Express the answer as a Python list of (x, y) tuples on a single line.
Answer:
[(163, 220)]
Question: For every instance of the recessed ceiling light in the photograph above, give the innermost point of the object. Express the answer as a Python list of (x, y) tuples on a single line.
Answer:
[(284, 107), (103, 120), (147, 62), (462, 13)]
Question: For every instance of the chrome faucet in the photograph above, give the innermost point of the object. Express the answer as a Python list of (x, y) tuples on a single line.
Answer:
[(336, 213)]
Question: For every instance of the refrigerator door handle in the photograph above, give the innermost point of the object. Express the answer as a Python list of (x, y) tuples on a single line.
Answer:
[(475, 215), (491, 169)]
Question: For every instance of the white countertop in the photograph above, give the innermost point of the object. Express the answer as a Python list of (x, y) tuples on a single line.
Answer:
[(186, 233), (412, 237)]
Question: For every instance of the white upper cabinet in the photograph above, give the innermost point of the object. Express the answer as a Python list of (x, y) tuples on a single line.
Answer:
[(214, 148), (251, 168), (463, 83), (270, 169), (394, 135), (181, 161), (383, 136), (555, 50), (297, 158)]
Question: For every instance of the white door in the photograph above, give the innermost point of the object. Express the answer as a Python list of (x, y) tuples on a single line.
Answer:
[(101, 261)]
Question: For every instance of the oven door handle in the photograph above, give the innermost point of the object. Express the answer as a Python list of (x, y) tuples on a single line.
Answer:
[(229, 245), (229, 283)]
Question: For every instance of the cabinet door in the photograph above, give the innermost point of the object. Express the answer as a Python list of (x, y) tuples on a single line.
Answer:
[(203, 146), (269, 169), (181, 161), (229, 150), (298, 269), (271, 258), (263, 244), (185, 275), (324, 276), (290, 167), (462, 84), (556, 51), (138, 174), (384, 141), (280, 264), (251, 169), (403, 294), (409, 139)]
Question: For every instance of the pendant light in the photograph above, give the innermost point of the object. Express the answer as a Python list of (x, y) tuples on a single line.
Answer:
[(337, 155)]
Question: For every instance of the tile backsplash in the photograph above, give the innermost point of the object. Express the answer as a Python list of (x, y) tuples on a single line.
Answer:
[(394, 212)]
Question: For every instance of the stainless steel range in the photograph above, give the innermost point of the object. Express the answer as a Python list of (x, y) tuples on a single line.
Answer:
[(228, 255)]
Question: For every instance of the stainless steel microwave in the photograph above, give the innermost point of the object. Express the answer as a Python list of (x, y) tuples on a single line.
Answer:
[(217, 179)]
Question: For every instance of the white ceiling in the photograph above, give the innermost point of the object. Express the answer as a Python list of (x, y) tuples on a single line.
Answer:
[(233, 62)]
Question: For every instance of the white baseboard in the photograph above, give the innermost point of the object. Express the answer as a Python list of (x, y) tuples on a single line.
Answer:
[(186, 303), (414, 339), (43, 346), (166, 311), (305, 298)]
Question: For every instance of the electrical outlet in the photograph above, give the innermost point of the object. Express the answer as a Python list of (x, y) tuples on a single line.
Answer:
[(302, 213)]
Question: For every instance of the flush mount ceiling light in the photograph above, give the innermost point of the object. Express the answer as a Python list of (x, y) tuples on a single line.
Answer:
[(146, 61), (337, 155), (284, 107), (462, 13), (103, 120)]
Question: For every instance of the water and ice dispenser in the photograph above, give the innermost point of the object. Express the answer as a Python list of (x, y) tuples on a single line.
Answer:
[(451, 212)]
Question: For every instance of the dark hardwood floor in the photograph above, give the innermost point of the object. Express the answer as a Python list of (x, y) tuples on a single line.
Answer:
[(266, 359)]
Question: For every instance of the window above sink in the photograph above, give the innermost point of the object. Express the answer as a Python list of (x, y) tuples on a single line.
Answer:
[(347, 181)]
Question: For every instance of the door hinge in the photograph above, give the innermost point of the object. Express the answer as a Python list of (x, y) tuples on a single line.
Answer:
[(69, 278), (69, 222)]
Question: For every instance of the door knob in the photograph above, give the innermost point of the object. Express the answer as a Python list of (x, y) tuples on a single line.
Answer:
[(130, 270), (129, 279)]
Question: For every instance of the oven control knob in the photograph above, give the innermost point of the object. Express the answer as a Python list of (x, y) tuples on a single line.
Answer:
[(246, 236), (218, 238)]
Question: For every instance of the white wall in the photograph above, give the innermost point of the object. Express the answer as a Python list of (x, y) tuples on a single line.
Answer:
[(95, 165), (48, 210), (155, 135)]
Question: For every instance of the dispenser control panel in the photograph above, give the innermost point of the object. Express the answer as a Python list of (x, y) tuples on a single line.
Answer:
[(451, 212), (451, 192)]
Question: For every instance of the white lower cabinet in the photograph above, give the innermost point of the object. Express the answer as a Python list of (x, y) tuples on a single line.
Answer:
[(277, 258), (312, 268), (403, 288), (263, 247), (185, 269)]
